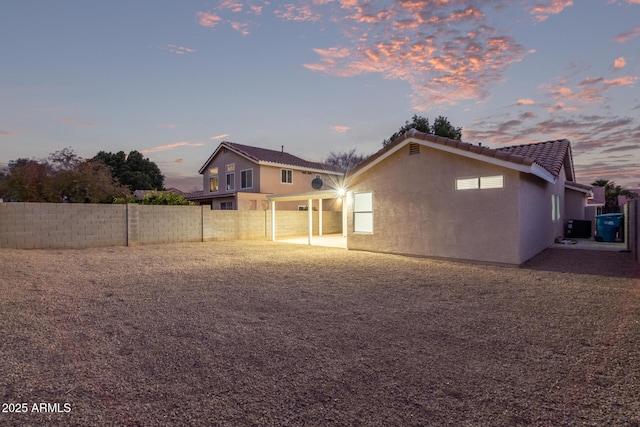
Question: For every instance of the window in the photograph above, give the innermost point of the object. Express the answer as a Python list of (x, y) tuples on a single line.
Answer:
[(231, 181), (246, 178), (213, 184), (487, 182), (213, 180), (363, 212), (467, 184), (482, 183), (286, 176), (555, 207), (226, 206), (230, 167)]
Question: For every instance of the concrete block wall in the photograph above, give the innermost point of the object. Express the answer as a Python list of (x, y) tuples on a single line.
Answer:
[(67, 225), (296, 223), (148, 224), (232, 225), (61, 225)]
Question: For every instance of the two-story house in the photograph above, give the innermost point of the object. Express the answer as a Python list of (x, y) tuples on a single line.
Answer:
[(239, 177)]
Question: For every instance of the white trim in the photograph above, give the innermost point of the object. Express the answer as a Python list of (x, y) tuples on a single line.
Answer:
[(324, 194), (579, 189), (287, 170), (299, 168)]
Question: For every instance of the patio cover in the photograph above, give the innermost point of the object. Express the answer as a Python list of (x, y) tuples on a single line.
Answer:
[(309, 197)]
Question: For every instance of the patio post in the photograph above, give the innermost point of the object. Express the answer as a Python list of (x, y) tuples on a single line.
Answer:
[(310, 216), (319, 217), (273, 220)]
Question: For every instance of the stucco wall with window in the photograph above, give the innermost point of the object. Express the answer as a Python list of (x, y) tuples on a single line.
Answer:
[(271, 180), (417, 209), (220, 163)]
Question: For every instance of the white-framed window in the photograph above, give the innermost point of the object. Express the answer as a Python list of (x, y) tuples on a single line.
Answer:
[(482, 183), (467, 184), (488, 182), (213, 180), (231, 181), (286, 176), (226, 206), (555, 207), (246, 178), (213, 184), (363, 212)]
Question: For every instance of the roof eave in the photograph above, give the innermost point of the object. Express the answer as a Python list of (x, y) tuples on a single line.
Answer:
[(302, 168), (533, 168)]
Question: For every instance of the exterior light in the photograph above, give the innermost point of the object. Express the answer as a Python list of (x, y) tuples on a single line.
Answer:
[(341, 192)]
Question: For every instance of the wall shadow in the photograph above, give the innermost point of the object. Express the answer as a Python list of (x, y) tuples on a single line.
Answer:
[(601, 263)]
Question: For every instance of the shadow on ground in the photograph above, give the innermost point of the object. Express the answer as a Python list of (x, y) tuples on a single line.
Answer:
[(602, 263)]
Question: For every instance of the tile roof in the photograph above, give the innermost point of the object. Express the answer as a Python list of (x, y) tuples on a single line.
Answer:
[(264, 155), (549, 155)]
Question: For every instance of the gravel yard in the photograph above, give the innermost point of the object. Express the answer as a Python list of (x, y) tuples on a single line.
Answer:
[(271, 334)]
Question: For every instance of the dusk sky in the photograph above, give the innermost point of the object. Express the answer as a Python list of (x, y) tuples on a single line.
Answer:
[(172, 79)]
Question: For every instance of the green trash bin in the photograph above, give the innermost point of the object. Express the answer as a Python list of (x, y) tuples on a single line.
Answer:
[(607, 225)]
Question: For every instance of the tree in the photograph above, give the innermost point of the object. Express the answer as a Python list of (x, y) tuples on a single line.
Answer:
[(157, 198), (63, 176), (133, 170), (441, 127), (611, 189), (345, 160), (27, 181)]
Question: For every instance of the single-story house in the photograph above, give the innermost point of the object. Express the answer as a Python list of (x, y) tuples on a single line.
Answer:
[(426, 195)]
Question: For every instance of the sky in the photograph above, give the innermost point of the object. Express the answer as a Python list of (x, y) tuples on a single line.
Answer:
[(172, 79)]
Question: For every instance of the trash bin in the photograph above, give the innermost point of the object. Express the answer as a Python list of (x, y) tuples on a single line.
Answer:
[(607, 225)]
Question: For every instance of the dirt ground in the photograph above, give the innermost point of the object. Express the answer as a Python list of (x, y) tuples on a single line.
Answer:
[(274, 334)]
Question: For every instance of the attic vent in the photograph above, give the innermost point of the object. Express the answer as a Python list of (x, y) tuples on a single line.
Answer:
[(414, 148)]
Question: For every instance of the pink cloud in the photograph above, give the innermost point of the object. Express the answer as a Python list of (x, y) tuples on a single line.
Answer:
[(526, 101), (76, 123), (172, 146), (541, 12), (6, 133), (179, 161), (179, 50), (589, 91), (232, 5), (628, 35), (620, 62), (207, 19), (167, 125), (221, 136), (242, 28), (444, 49), (340, 129), (293, 12)]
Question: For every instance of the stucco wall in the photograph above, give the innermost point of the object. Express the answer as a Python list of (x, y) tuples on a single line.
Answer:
[(575, 205), (537, 230), (417, 209)]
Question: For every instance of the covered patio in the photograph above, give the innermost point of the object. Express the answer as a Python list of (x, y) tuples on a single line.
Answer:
[(309, 197)]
